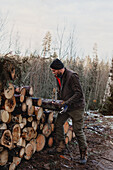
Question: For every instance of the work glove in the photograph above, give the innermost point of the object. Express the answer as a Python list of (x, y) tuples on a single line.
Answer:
[(63, 109)]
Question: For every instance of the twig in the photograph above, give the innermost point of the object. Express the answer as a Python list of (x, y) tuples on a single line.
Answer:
[(107, 159)]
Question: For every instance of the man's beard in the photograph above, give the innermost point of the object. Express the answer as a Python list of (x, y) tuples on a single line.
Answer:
[(59, 75)]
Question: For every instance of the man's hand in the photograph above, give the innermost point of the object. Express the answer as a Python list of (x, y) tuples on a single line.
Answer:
[(63, 109)]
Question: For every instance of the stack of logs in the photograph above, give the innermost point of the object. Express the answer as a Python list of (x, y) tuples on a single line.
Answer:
[(26, 124)]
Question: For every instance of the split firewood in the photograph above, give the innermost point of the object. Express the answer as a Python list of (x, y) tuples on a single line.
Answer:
[(40, 142), (3, 157)]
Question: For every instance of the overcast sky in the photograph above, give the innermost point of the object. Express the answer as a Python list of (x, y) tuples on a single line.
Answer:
[(91, 19)]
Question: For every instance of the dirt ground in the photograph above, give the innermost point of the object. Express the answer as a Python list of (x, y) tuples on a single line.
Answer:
[(99, 133)]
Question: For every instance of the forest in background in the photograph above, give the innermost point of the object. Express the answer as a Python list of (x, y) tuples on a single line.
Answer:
[(92, 73)]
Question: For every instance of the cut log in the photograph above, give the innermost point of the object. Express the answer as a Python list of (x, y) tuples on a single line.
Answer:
[(21, 142), (52, 127), (36, 101), (24, 120), (29, 102), (48, 103), (16, 160), (50, 141), (0, 100), (24, 107), (3, 126), (33, 142), (47, 129), (66, 140), (41, 126), (66, 127), (12, 166), (40, 142), (74, 135), (22, 125), (9, 91), (31, 110), (30, 119), (42, 120), (38, 112), (16, 132), (17, 118), (1, 148), (5, 116), (34, 125), (3, 157), (21, 153), (50, 117), (70, 134), (28, 151), (10, 104), (19, 98), (28, 133), (22, 97), (6, 139), (26, 91)]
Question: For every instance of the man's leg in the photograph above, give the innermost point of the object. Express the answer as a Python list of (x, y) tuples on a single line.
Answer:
[(78, 121), (59, 130)]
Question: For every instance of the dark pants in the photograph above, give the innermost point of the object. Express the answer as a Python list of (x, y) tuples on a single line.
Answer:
[(77, 117)]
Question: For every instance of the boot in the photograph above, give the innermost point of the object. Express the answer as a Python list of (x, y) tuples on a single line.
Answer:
[(83, 156), (61, 146)]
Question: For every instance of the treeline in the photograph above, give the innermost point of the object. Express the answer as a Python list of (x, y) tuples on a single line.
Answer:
[(93, 76)]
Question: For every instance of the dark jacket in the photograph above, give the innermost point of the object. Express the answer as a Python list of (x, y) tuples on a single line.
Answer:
[(71, 91)]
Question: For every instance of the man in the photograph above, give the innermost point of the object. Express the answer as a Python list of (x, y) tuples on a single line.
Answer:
[(69, 90)]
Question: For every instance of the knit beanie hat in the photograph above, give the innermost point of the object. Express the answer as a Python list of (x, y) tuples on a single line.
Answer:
[(57, 64)]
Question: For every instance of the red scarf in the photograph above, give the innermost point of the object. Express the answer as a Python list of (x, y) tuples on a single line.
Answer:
[(59, 81)]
